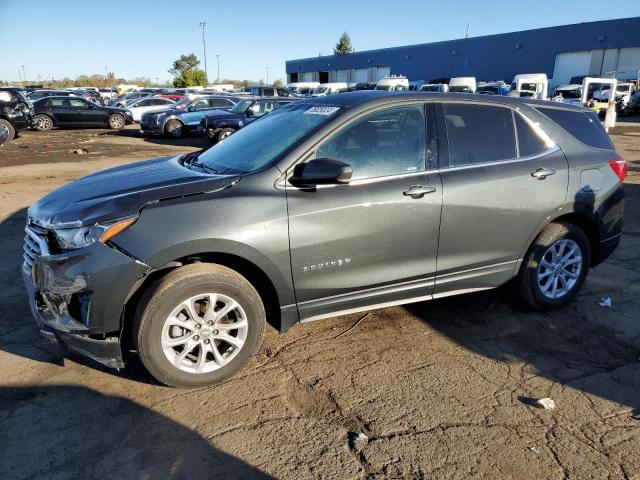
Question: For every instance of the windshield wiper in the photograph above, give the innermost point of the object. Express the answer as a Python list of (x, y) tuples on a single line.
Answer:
[(191, 160)]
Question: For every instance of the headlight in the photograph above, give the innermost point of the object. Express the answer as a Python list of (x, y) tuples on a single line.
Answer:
[(74, 238)]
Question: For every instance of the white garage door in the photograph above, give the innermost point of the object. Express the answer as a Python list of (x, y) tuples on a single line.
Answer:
[(342, 76), (361, 75), (570, 64), (383, 72), (629, 60)]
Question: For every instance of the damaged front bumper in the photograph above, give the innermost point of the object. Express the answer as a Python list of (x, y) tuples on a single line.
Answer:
[(77, 298)]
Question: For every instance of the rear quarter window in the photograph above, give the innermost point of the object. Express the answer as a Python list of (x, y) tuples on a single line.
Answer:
[(585, 126)]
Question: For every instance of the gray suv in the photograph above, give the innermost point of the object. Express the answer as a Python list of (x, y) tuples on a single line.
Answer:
[(323, 207)]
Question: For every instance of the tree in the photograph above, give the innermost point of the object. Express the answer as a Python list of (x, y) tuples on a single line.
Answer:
[(344, 45), (278, 83), (186, 72)]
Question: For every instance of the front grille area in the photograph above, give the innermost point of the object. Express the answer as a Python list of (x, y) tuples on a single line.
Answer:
[(35, 245)]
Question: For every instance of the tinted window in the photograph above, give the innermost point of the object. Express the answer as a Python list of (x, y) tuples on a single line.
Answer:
[(269, 92), (585, 126), (200, 105), (389, 142), (479, 133), (58, 102), (529, 142), (217, 102)]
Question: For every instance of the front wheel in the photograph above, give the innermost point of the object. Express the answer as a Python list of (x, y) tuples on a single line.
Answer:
[(198, 325), (173, 128), (224, 133), (555, 266), (116, 121), (11, 132), (43, 122)]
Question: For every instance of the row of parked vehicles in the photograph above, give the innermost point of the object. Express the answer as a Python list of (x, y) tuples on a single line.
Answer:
[(216, 115)]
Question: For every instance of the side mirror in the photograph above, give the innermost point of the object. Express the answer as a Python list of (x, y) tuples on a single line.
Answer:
[(248, 112), (191, 108), (322, 171)]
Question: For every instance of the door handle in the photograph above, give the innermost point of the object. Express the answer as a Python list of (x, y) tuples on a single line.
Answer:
[(542, 173), (418, 191)]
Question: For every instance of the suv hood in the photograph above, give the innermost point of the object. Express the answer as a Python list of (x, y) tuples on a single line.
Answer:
[(122, 191)]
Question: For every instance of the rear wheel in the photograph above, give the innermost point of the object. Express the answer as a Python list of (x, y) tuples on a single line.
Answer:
[(43, 122), (11, 132), (173, 128), (555, 266), (198, 325), (116, 121)]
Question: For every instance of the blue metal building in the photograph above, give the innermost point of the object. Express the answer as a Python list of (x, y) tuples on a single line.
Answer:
[(593, 48)]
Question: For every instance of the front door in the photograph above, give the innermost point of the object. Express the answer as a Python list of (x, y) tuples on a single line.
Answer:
[(497, 193), (372, 242)]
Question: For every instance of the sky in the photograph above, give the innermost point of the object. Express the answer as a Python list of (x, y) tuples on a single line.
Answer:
[(142, 38)]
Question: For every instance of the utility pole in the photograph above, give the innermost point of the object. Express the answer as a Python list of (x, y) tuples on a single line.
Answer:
[(19, 75), (218, 60), (204, 48), (267, 75), (466, 33), (24, 75)]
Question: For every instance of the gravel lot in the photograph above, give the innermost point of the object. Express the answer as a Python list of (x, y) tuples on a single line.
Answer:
[(438, 389)]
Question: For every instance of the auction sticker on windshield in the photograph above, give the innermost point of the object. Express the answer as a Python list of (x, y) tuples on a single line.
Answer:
[(322, 110)]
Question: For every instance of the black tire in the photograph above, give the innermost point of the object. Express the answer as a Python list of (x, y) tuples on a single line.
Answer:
[(11, 132), (224, 133), (116, 122), (43, 122), (174, 129), (527, 286), (167, 293)]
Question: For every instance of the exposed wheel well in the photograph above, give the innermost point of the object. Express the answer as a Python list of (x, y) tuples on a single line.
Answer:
[(588, 226), (247, 269)]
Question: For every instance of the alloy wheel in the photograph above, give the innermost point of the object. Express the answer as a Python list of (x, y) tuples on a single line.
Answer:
[(204, 333), (559, 268)]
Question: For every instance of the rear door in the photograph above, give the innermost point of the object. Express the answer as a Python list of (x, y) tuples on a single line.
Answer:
[(373, 241), (501, 178), (60, 109)]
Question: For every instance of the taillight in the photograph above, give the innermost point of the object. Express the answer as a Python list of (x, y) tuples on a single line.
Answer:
[(619, 167)]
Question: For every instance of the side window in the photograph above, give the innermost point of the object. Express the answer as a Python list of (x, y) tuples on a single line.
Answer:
[(283, 92), (479, 133), (77, 103), (387, 142), (217, 102), (529, 141), (585, 126), (144, 103), (228, 103), (269, 92), (59, 102), (201, 105)]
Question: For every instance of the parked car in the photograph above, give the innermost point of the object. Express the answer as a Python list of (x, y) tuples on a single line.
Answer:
[(219, 124), (531, 85), (627, 97), (568, 94), (78, 112), (38, 94), (123, 99), (393, 82), (184, 259), (171, 96), (268, 91), (325, 89), (143, 105), (462, 85), (108, 94), (16, 111), (493, 88), (355, 87), (184, 116), (435, 87)]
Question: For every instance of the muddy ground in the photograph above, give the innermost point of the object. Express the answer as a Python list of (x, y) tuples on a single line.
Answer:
[(433, 390)]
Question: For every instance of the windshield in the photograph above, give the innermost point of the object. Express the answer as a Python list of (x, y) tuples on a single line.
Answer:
[(430, 88), (383, 87), (241, 107), (492, 89), (181, 103), (459, 88), (573, 93), (320, 90), (263, 141), (531, 87)]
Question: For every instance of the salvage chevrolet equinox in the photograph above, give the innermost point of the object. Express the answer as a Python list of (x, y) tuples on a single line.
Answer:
[(322, 207)]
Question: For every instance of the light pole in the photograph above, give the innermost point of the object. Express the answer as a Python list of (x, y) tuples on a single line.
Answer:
[(204, 47), (106, 74), (218, 60), (24, 75), (19, 75), (267, 75)]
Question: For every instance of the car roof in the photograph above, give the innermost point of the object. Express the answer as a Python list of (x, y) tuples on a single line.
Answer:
[(361, 97)]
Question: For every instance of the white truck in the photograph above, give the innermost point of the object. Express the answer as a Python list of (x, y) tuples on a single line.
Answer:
[(533, 85), (302, 89), (329, 89), (393, 82), (462, 85), (435, 87)]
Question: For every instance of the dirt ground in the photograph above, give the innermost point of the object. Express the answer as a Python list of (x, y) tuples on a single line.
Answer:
[(438, 389)]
